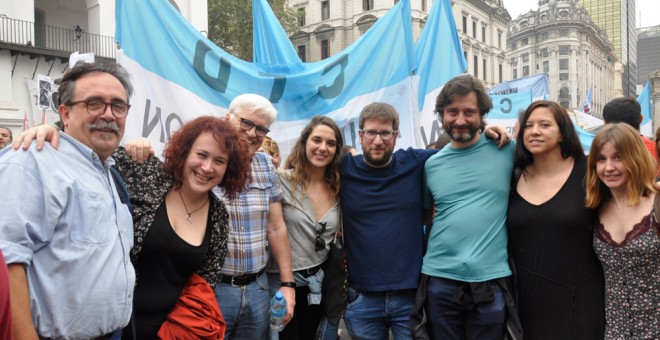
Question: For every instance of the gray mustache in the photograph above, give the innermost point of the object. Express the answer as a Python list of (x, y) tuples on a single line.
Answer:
[(104, 125)]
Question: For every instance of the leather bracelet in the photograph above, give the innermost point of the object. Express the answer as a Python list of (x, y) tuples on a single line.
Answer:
[(289, 284)]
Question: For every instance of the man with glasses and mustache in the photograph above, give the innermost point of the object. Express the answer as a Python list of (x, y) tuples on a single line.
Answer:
[(67, 244), (256, 226), (466, 263)]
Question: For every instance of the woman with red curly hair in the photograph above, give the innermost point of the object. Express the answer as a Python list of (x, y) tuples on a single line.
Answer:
[(180, 225)]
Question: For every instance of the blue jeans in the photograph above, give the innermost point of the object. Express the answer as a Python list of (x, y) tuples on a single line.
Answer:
[(245, 309), (448, 319), (371, 315)]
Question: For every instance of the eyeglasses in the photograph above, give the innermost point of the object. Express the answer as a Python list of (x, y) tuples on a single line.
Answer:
[(247, 125), (384, 134), (320, 243), (96, 107)]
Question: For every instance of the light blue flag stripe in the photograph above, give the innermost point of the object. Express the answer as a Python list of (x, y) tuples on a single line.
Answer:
[(508, 106), (152, 33), (538, 84), (644, 100), (438, 51), (271, 43)]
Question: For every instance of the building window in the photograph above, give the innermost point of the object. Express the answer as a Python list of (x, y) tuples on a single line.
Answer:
[(525, 58), (302, 53), (396, 2), (544, 36), (515, 73), (546, 66), (301, 16), (563, 33), (465, 55), (545, 53), (525, 70), (513, 46), (563, 76), (524, 42), (325, 10), (500, 72), (325, 49), (476, 66), (563, 64), (367, 5), (474, 29), (464, 24), (483, 69), (423, 5), (483, 34), (564, 50), (499, 39)]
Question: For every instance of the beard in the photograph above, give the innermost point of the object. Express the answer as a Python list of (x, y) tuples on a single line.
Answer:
[(464, 136), (379, 162)]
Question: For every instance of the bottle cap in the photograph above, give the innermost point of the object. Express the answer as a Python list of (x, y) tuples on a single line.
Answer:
[(279, 296)]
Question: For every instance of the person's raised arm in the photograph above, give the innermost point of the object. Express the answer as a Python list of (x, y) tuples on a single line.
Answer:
[(499, 134), (42, 133)]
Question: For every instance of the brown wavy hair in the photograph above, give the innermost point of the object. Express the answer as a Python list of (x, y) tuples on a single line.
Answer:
[(636, 158), (238, 161), (298, 161)]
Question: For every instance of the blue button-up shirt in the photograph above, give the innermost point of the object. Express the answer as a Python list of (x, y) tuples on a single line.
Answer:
[(63, 219)]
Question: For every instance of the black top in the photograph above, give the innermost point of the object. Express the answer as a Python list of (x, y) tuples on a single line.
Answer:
[(165, 265), (559, 278)]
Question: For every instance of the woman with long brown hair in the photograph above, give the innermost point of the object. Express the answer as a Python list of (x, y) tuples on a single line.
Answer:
[(310, 204)]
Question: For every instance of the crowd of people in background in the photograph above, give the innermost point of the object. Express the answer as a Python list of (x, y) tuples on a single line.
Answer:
[(478, 237)]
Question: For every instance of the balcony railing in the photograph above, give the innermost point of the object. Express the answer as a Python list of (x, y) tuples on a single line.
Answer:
[(25, 33)]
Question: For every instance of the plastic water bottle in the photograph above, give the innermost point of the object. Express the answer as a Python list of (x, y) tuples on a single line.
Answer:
[(277, 312)]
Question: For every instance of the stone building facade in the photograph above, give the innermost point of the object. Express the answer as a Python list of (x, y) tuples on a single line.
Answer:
[(561, 40)]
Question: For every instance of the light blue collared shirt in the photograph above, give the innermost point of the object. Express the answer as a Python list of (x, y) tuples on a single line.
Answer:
[(64, 220)]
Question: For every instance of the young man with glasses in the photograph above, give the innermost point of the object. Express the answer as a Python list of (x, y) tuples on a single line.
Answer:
[(256, 226), (381, 202), (68, 249)]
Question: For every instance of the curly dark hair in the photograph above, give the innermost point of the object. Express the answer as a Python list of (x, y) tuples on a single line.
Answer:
[(238, 163)]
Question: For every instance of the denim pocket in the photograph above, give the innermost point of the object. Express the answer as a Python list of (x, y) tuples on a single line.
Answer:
[(353, 297), (262, 280)]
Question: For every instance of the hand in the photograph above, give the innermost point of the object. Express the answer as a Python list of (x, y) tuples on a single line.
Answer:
[(41, 133), (498, 134), (139, 150), (290, 296)]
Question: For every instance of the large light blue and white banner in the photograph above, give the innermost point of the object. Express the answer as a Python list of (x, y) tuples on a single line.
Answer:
[(178, 74)]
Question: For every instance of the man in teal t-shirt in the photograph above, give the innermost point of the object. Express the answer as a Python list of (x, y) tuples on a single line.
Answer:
[(468, 182)]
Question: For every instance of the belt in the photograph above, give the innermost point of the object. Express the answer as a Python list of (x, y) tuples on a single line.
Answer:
[(102, 337), (309, 271), (241, 280)]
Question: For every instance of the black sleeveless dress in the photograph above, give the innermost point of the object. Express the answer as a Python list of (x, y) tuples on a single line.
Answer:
[(559, 279), (166, 263)]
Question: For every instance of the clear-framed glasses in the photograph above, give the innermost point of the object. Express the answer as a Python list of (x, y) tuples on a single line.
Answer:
[(96, 107), (384, 134), (320, 243), (247, 125)]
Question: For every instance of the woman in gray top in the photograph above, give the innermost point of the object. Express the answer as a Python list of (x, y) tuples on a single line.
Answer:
[(310, 191)]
